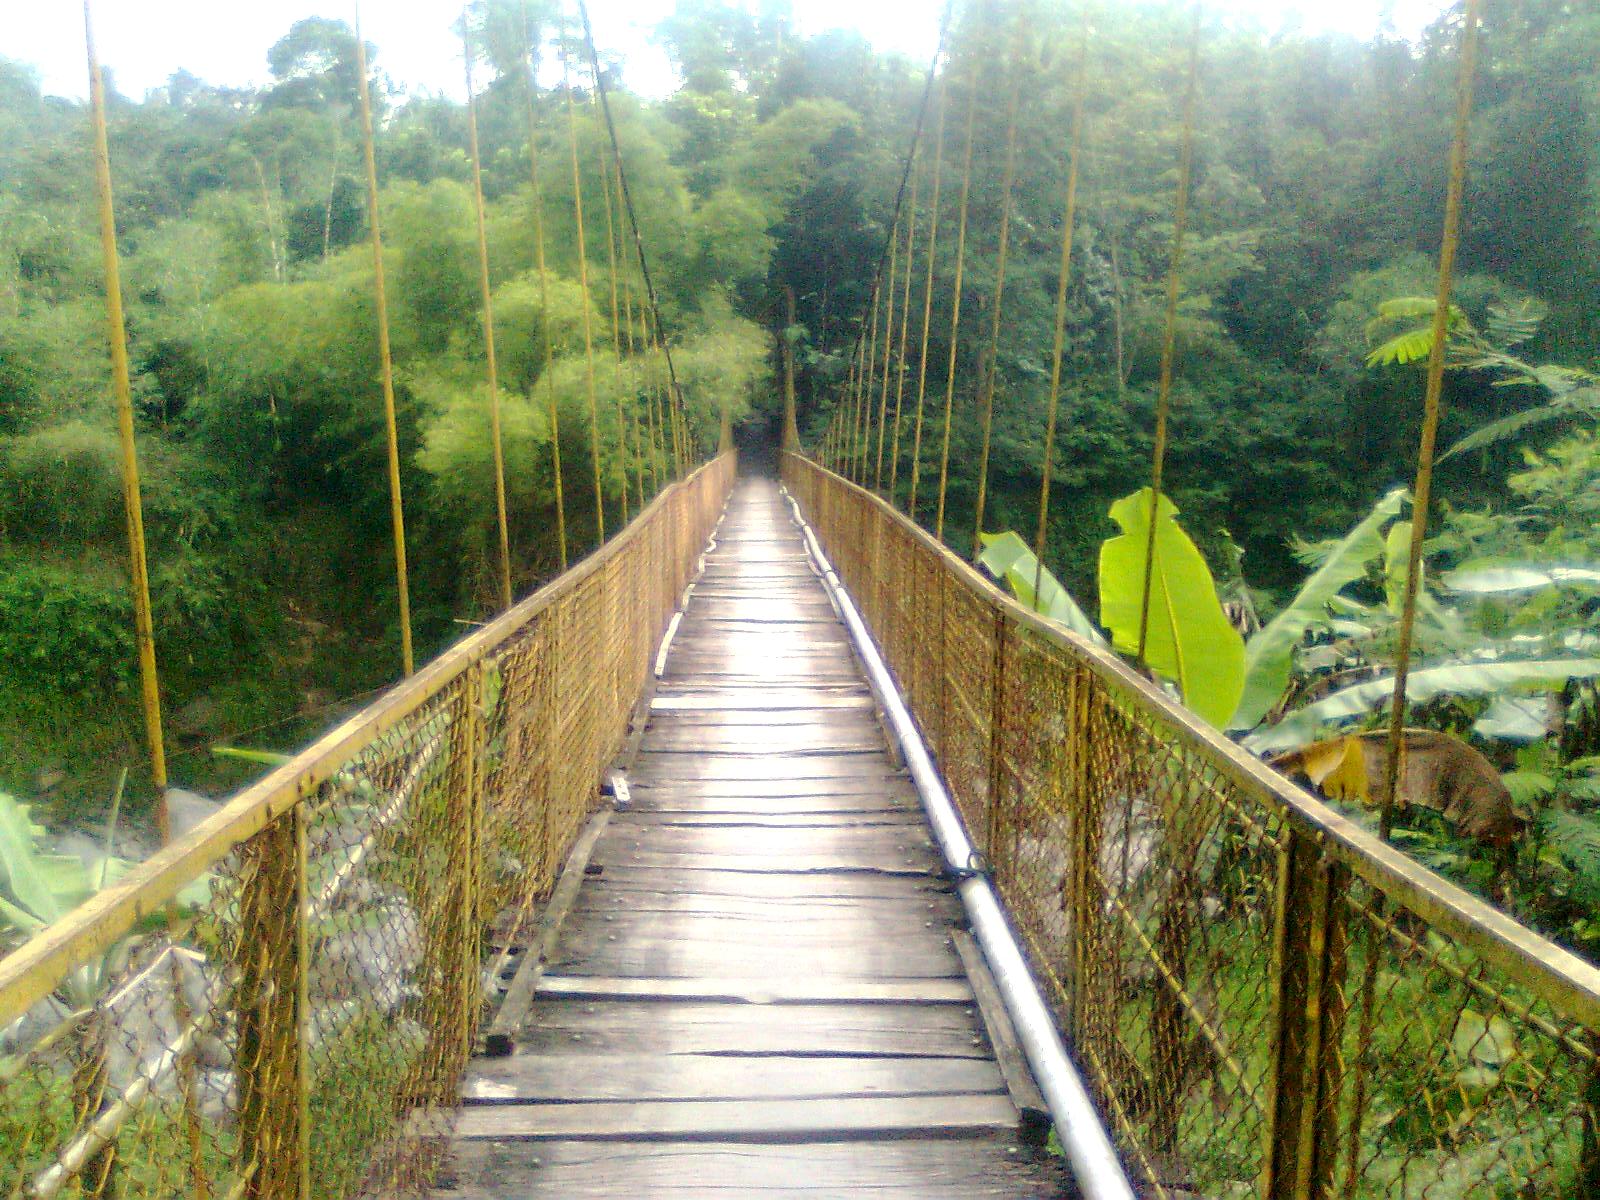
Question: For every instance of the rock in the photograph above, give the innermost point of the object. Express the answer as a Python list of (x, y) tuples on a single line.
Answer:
[(186, 809), (21, 1034)]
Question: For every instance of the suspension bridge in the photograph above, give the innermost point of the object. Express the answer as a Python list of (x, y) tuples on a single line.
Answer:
[(769, 849)]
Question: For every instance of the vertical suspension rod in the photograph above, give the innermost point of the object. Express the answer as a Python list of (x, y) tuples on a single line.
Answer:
[(133, 505), (955, 301), (627, 204), (1058, 348), (927, 301), (488, 321), (552, 408), (397, 517), (1007, 182), (1169, 336), (1434, 389), (588, 307)]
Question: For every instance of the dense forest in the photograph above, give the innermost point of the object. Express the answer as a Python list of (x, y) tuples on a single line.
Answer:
[(774, 168)]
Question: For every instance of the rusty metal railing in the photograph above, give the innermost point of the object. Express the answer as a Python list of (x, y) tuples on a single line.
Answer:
[(1267, 1000), (279, 1004)]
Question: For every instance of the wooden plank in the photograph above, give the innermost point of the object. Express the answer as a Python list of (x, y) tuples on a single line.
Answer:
[(761, 1121), (783, 866), (790, 743), (514, 1005), (657, 880), (599, 897), (643, 1026), (570, 1078), (759, 991), (886, 818), (679, 699), (690, 959), (1033, 1115), (969, 1168), (649, 767), (756, 923), (896, 842)]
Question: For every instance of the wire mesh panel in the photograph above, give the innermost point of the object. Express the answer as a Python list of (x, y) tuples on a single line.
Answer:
[(281, 1004), (1264, 999)]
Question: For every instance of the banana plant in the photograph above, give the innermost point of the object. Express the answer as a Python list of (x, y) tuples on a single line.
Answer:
[(38, 888)]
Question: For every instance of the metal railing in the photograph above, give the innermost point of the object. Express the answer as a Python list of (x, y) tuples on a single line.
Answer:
[(280, 1004), (1266, 999)]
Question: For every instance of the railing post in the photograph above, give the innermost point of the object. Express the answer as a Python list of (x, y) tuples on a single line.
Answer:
[(995, 817), (1308, 1013), (1084, 823), (273, 963)]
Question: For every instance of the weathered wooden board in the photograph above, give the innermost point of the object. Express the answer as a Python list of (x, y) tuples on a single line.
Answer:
[(623, 905), (642, 1026), (970, 1168), (759, 991), (567, 1078), (656, 880), (759, 1121), (648, 767)]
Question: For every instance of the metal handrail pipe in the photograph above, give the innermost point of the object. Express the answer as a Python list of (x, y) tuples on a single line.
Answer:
[(1083, 1137)]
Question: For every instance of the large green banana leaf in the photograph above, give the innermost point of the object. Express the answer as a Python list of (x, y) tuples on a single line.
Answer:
[(1269, 655), (1455, 679), (1007, 557), (1190, 639)]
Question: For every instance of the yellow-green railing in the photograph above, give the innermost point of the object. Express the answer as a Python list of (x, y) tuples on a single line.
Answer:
[(279, 1004), (1266, 1000)]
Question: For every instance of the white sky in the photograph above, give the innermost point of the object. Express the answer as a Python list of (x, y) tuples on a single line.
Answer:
[(145, 41)]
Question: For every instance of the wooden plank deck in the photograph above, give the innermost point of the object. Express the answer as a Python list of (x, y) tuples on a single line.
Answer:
[(755, 991)]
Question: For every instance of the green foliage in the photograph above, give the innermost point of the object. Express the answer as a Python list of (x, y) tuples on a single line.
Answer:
[(1007, 557), (1269, 654), (1188, 637)]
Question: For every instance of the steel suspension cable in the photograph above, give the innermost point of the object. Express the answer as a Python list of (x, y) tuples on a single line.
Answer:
[(955, 301), (1169, 336), (1432, 392), (1068, 220), (616, 330), (397, 518), (631, 351), (588, 306), (869, 375), (133, 504), (888, 339), (927, 301), (905, 325), (628, 205), (488, 322), (1007, 182), (552, 408)]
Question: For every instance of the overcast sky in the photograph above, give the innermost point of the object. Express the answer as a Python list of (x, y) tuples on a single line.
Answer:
[(145, 41)]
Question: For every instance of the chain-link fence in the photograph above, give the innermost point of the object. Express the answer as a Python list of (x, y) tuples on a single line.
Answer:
[(1266, 1000), (280, 1004)]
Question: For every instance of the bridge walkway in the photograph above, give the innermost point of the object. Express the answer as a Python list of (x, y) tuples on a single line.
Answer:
[(757, 989)]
